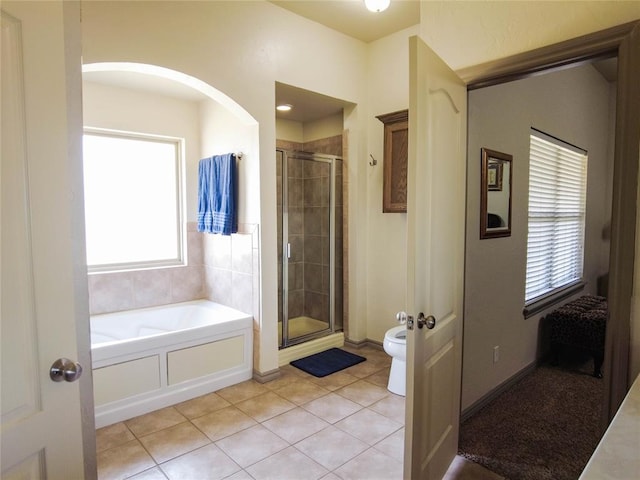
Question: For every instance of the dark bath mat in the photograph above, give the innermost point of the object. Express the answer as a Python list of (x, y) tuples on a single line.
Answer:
[(327, 362)]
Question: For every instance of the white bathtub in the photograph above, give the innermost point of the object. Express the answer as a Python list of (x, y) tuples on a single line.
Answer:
[(154, 357)]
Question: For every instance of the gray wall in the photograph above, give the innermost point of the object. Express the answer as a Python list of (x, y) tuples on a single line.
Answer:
[(573, 105)]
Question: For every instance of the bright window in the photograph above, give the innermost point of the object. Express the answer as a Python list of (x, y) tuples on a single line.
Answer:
[(133, 200), (557, 195)]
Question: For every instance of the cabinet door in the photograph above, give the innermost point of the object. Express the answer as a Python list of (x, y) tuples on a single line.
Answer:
[(396, 141)]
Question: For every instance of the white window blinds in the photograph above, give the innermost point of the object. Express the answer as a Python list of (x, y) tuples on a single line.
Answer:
[(557, 195)]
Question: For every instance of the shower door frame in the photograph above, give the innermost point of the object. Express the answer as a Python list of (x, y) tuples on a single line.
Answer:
[(316, 157)]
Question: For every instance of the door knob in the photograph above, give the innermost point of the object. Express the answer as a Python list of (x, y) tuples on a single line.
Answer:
[(401, 317), (429, 321), (65, 369)]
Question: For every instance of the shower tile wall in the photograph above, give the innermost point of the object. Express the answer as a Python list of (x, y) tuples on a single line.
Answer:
[(329, 146), (296, 238), (315, 239), (309, 231), (336, 145)]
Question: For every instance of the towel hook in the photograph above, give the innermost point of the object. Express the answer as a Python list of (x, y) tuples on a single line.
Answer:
[(373, 162)]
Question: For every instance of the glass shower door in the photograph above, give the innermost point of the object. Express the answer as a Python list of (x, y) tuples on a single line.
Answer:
[(308, 210)]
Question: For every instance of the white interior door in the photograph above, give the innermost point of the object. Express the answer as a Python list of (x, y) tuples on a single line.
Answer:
[(43, 283), (435, 253)]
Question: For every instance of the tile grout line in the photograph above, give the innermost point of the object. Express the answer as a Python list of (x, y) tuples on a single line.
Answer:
[(298, 404)]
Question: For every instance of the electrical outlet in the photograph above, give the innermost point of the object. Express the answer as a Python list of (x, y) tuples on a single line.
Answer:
[(496, 354)]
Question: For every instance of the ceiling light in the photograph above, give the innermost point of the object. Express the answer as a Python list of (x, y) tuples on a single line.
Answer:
[(377, 5), (285, 107)]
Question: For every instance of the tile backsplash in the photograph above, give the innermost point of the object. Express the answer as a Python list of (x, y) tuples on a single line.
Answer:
[(220, 268), (229, 268)]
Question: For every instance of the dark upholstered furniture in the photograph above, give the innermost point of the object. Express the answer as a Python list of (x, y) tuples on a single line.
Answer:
[(580, 323)]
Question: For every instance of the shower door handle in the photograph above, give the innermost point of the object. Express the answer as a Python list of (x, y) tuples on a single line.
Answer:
[(288, 250)]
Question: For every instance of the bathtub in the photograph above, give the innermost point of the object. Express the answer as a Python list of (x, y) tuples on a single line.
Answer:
[(150, 358)]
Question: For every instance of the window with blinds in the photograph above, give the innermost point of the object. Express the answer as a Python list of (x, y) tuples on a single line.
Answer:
[(557, 197)]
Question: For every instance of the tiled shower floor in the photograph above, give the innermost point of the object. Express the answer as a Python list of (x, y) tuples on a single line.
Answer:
[(344, 426)]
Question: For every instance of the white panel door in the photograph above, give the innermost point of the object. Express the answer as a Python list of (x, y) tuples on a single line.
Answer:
[(435, 254), (43, 279)]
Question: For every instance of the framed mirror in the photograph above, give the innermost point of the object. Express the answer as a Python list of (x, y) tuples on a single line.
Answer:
[(495, 194)]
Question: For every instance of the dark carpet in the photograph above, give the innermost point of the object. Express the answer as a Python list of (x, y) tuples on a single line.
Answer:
[(327, 362), (545, 427)]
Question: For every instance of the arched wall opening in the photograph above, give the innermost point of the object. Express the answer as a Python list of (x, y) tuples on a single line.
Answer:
[(150, 99)]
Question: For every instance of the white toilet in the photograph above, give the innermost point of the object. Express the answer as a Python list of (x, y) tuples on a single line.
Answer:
[(395, 344)]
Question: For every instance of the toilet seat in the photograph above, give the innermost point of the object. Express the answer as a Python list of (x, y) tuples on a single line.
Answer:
[(396, 334)]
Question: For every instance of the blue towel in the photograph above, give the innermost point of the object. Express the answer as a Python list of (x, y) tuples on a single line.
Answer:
[(217, 195)]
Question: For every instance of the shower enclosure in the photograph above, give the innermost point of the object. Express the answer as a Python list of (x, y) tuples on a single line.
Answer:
[(310, 271)]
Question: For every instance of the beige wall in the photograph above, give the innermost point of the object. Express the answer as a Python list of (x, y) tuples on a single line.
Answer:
[(468, 32), (242, 49), (385, 268), (290, 130), (573, 105), (323, 128), (224, 132), (302, 132)]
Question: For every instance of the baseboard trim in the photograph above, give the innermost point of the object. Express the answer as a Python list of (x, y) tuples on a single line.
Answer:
[(267, 376), (504, 386), (363, 343), (356, 343)]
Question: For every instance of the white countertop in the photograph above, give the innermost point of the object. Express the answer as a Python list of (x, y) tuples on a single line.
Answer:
[(618, 453)]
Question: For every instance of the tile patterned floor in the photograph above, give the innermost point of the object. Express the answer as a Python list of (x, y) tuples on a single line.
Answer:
[(299, 427)]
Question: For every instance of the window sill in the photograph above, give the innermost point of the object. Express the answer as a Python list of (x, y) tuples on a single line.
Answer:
[(135, 267), (551, 299)]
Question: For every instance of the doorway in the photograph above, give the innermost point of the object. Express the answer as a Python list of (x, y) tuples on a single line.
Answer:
[(619, 43), (622, 42), (498, 338)]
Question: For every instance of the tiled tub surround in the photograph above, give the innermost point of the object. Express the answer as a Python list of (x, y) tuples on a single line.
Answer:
[(230, 264), (219, 268), (128, 290), (223, 269), (150, 358), (231, 275)]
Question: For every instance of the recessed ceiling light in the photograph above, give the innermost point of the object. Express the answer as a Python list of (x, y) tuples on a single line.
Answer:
[(377, 5), (285, 107)]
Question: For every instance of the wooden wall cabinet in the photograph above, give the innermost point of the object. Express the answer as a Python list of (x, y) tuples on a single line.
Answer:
[(396, 144)]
